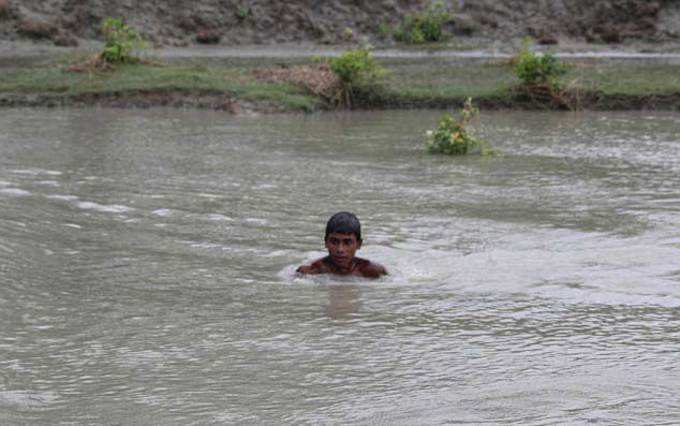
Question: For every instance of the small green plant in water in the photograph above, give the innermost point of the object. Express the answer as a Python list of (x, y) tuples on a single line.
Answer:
[(120, 41), (359, 74), (452, 136), (533, 69)]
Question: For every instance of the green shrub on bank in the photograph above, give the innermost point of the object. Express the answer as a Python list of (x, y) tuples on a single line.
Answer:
[(120, 41), (533, 69), (384, 30), (421, 27), (242, 12), (451, 137), (359, 74)]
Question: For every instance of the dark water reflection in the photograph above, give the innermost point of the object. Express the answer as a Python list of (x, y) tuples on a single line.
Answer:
[(146, 266)]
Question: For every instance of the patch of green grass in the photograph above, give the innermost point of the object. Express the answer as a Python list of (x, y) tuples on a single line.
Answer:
[(417, 80), (135, 77), (286, 95), (424, 82), (625, 79), (37, 80)]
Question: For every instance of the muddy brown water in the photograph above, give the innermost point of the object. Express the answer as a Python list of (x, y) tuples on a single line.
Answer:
[(146, 269)]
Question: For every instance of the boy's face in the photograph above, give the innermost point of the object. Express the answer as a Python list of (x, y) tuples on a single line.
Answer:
[(341, 248)]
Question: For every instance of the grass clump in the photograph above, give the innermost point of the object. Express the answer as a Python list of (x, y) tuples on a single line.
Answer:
[(533, 69), (422, 27), (242, 12), (120, 41), (384, 31), (360, 76), (452, 137), (540, 77)]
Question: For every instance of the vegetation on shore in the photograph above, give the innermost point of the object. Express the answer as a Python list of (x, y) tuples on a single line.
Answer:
[(354, 78), (410, 83), (420, 27), (359, 74)]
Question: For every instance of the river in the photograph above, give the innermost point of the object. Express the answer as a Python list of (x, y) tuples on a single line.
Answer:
[(147, 258)]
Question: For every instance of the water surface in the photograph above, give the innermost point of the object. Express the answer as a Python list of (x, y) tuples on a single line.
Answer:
[(146, 263)]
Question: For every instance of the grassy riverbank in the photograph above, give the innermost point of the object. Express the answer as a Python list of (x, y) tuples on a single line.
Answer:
[(411, 83)]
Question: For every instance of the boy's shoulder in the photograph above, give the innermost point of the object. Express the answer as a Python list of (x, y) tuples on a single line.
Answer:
[(319, 266), (362, 267), (369, 269)]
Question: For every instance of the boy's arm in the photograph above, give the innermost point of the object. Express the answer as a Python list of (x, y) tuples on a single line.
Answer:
[(373, 270), (316, 267), (305, 269)]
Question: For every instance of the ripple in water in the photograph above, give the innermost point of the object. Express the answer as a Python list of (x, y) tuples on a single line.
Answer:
[(535, 287)]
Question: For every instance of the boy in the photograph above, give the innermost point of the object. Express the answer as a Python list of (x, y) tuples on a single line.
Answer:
[(343, 239)]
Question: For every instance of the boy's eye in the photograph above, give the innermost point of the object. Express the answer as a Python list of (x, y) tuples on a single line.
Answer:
[(347, 241)]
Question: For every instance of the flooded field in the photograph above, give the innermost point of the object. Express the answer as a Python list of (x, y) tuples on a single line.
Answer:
[(147, 257)]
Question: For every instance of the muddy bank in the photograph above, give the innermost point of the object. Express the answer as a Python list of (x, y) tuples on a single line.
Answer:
[(595, 101), (217, 101), (238, 22)]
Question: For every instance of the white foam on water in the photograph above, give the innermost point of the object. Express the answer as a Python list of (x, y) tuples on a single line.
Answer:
[(62, 197), (72, 225), (278, 253), (219, 217), (256, 221), (15, 192), (111, 208), (26, 399), (265, 186), (52, 183), (162, 212), (35, 172), (32, 172), (43, 327), (205, 245), (289, 276), (5, 183)]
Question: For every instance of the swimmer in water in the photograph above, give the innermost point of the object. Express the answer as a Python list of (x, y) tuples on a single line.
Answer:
[(343, 239)]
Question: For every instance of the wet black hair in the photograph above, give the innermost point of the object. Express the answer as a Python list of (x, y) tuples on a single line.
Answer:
[(343, 223)]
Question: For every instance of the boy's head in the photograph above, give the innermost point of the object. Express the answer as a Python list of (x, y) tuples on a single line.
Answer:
[(343, 238), (343, 223)]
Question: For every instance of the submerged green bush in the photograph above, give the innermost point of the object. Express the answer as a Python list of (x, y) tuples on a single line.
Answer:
[(359, 74), (533, 69), (452, 137), (120, 41), (421, 27)]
